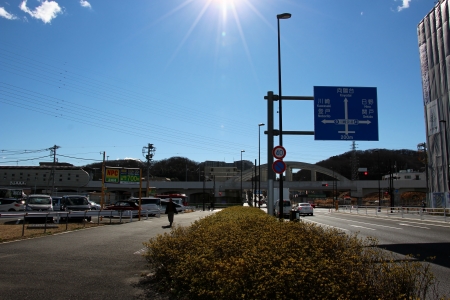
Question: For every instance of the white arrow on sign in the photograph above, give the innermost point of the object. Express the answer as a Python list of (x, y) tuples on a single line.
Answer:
[(346, 121)]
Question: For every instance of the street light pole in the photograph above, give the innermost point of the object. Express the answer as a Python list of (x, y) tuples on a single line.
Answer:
[(259, 163), (282, 17), (241, 174), (379, 174)]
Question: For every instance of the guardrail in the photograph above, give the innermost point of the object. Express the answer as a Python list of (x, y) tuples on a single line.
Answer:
[(58, 215), (436, 214)]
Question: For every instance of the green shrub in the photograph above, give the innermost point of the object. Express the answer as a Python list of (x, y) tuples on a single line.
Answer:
[(243, 253)]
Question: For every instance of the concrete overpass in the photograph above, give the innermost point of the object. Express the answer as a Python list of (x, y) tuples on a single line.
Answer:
[(357, 188)]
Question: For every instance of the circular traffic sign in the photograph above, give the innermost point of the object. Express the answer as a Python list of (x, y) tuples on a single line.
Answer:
[(279, 166), (279, 152)]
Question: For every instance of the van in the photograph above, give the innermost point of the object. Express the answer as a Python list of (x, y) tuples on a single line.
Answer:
[(287, 206), (37, 202)]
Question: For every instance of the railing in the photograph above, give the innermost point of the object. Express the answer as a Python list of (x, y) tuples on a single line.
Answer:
[(435, 214), (57, 216)]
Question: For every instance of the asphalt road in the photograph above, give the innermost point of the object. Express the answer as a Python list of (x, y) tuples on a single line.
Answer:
[(106, 262), (100, 263), (421, 238)]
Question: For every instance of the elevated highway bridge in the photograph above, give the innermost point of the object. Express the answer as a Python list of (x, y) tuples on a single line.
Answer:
[(356, 188)]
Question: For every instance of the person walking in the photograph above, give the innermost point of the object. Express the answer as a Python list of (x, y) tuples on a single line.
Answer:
[(171, 210)]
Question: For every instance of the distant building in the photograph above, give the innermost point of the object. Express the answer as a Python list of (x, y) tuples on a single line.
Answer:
[(406, 175), (222, 171), (434, 49)]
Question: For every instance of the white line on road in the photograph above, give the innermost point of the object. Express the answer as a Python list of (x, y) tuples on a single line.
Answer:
[(368, 223), (141, 251), (321, 224), (403, 224), (362, 227)]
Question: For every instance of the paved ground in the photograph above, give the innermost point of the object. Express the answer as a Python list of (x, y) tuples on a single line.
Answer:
[(100, 263)]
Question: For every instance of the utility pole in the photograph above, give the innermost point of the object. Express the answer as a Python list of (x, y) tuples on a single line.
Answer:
[(354, 162), (53, 152), (148, 153), (102, 200)]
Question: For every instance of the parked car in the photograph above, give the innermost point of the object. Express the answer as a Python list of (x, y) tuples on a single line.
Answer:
[(123, 205), (12, 205), (38, 203), (150, 204), (94, 205), (56, 203), (179, 207), (286, 208), (75, 203), (304, 209)]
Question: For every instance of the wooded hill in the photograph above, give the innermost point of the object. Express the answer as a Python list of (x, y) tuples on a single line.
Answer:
[(377, 161)]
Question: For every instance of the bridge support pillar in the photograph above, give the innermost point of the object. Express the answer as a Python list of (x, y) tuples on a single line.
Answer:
[(313, 175)]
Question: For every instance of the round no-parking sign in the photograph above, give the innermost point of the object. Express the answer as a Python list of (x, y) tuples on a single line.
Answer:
[(279, 166), (279, 152)]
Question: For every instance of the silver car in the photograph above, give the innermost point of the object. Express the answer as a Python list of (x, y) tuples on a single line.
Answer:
[(304, 209)]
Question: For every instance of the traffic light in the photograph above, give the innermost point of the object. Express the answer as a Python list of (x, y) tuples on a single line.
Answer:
[(365, 173)]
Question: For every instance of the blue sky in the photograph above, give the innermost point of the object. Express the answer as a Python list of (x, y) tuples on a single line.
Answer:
[(190, 76)]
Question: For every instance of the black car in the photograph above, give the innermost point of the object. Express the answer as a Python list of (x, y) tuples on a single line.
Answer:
[(75, 203)]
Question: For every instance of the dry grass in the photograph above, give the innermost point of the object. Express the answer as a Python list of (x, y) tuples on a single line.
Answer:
[(12, 231)]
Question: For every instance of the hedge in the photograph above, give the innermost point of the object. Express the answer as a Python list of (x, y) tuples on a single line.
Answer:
[(243, 253)]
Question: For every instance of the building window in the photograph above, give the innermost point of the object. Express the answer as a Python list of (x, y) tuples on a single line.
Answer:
[(68, 178), (60, 179), (407, 176), (76, 176)]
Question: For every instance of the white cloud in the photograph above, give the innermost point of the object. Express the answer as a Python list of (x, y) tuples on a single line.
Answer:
[(405, 4), (46, 12), (85, 4), (6, 15)]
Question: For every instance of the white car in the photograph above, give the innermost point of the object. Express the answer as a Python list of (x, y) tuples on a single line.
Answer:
[(94, 205), (304, 209), (12, 204), (286, 208)]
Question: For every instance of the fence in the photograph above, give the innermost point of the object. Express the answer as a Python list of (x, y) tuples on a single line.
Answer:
[(57, 216), (412, 212)]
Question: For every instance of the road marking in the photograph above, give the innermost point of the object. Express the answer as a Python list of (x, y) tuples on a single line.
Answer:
[(141, 251), (403, 224), (362, 227), (369, 223), (321, 224)]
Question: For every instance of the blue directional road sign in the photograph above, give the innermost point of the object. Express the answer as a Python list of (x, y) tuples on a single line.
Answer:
[(345, 113)]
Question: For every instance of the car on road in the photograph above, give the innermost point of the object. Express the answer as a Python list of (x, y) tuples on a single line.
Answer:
[(12, 205), (304, 209), (286, 208)]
